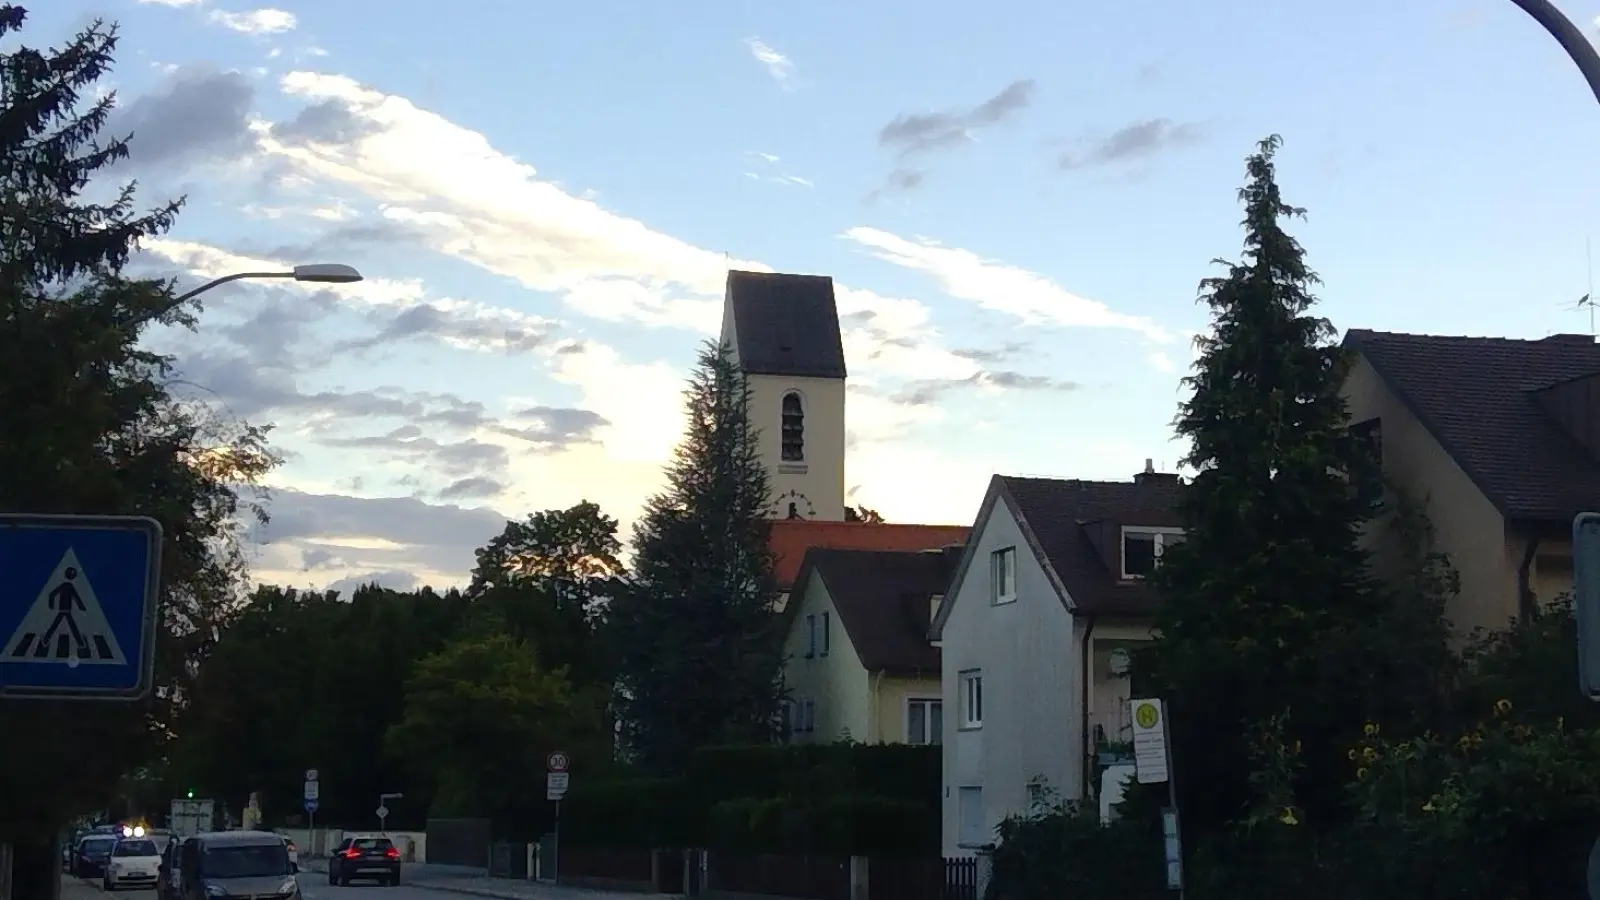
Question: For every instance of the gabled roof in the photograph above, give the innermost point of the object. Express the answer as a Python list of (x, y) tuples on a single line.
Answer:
[(1478, 398), (791, 538), (785, 324), (883, 600), (1073, 529)]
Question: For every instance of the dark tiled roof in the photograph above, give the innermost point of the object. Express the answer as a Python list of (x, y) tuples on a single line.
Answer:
[(1476, 397), (883, 599), (1065, 517), (791, 538), (786, 324)]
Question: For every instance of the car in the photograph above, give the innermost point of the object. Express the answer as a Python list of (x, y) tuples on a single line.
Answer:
[(135, 862), (366, 859), (236, 864), (90, 856)]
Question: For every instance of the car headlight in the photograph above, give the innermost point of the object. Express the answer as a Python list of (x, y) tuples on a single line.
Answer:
[(289, 888), (216, 890)]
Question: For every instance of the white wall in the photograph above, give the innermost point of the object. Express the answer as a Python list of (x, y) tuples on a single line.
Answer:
[(1029, 659)]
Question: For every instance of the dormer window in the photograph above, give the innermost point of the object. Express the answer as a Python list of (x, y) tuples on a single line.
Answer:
[(794, 428), (1142, 549)]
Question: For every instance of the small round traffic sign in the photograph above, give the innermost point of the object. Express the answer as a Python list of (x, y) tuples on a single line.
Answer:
[(383, 812), (311, 774), (557, 761)]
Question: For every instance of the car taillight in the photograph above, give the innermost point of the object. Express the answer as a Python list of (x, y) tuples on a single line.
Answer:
[(352, 853), (392, 853)]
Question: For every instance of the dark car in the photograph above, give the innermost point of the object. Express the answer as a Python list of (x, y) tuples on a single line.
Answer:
[(236, 864), (89, 858), (365, 858)]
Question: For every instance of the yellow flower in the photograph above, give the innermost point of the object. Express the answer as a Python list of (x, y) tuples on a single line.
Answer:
[(1370, 729), (1369, 754), (1428, 807), (1361, 772), (1351, 755), (1296, 747), (1288, 817), (1561, 722), (1501, 707)]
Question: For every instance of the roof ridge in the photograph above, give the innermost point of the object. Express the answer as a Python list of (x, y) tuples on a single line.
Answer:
[(1467, 338)]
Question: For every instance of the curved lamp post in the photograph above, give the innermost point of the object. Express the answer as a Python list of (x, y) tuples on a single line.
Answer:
[(1571, 38), (322, 273)]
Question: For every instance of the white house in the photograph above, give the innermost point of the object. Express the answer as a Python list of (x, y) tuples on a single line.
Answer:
[(1034, 689)]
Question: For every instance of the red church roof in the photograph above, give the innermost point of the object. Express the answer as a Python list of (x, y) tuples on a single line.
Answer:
[(791, 538)]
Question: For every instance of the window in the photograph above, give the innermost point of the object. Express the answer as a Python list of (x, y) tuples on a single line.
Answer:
[(811, 636), (794, 428), (924, 721), (827, 631), (1142, 548), (808, 716), (971, 699), (1038, 797), (969, 816), (1370, 434), (1003, 564)]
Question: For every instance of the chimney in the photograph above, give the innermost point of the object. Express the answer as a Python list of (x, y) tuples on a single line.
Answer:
[(1151, 476)]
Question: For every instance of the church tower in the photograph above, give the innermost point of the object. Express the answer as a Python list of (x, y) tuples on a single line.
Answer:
[(784, 332)]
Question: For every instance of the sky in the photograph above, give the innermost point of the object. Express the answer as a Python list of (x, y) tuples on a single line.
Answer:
[(1016, 206)]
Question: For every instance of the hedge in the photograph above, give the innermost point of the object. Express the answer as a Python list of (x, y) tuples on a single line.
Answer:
[(846, 825), (771, 799)]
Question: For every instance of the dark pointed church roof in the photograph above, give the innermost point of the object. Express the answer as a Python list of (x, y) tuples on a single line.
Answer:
[(785, 324)]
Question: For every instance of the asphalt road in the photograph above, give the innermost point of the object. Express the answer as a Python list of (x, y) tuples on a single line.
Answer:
[(313, 886)]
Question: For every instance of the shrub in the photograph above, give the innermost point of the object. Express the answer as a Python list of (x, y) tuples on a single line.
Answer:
[(841, 825), (630, 813)]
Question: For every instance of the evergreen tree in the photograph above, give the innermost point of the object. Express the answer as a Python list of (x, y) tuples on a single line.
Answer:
[(87, 423), (698, 645), (1268, 607)]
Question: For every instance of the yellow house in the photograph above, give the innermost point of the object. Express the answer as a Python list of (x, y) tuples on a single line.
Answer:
[(860, 665), (1500, 440)]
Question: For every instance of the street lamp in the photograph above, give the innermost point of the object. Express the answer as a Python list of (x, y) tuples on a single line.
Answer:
[(1569, 36), (321, 273)]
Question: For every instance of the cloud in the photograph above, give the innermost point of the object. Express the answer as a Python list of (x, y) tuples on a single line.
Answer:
[(913, 133), (428, 542), (935, 390), (780, 67), (899, 180), (255, 21), (1027, 296), (468, 488), (199, 114), (1140, 140)]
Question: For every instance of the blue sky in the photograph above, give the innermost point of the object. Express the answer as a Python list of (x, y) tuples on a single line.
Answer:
[(1015, 203)]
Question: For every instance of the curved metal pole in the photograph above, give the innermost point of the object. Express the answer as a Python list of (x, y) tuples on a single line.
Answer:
[(177, 301), (1570, 37)]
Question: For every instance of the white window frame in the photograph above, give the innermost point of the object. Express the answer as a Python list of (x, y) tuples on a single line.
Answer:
[(970, 684), (811, 635), (1160, 535), (1003, 575), (930, 735)]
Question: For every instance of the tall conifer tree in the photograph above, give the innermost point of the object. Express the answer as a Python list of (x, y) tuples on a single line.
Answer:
[(699, 647), (1268, 606)]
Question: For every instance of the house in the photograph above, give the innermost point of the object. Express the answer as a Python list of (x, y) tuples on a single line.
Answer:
[(1499, 440), (1035, 632), (859, 663)]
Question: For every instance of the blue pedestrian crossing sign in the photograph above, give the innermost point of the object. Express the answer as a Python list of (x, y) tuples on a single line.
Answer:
[(311, 805), (79, 597)]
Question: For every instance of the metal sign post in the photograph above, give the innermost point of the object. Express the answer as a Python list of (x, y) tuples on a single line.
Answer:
[(1152, 759), (556, 781), (312, 795)]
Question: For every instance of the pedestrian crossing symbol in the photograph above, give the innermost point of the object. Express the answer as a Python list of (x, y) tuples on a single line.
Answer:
[(65, 625)]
